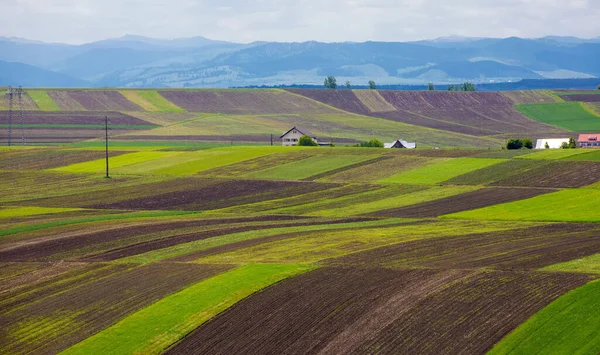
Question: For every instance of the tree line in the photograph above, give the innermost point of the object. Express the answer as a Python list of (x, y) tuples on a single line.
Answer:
[(331, 83)]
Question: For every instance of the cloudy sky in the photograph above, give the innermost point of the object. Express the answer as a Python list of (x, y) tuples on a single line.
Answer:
[(78, 21)]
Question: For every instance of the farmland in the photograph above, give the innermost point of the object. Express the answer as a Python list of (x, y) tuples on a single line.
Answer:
[(220, 247), (569, 115)]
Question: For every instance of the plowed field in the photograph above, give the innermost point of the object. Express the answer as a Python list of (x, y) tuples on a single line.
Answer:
[(377, 310), (96, 100)]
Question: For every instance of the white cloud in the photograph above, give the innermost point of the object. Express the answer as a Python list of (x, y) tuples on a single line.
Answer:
[(77, 21)]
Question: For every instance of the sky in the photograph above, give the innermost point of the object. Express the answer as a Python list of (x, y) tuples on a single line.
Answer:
[(81, 21)]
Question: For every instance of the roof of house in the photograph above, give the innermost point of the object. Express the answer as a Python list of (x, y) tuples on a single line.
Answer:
[(404, 143), (301, 130), (553, 143), (588, 137)]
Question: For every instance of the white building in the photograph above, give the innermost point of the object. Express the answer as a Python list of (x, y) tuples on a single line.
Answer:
[(553, 143), (292, 136), (400, 143)]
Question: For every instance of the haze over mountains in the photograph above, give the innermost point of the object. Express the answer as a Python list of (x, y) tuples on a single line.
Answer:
[(135, 61)]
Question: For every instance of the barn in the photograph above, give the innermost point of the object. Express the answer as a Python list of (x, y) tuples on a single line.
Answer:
[(400, 143)]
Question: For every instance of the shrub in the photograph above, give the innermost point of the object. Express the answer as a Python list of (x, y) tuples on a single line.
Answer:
[(527, 143), (306, 141), (547, 146), (514, 143), (373, 143)]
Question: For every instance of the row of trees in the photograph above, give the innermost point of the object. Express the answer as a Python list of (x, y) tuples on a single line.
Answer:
[(331, 83), (517, 143)]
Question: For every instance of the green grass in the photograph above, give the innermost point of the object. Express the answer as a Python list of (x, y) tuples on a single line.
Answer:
[(43, 100), (154, 328), (593, 155), (569, 205), (589, 264), (440, 172), (212, 158), (572, 116), (568, 325), (9, 212), (306, 168), (97, 166), (553, 154)]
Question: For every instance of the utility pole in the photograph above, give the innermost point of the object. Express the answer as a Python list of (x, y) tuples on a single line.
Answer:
[(271, 139), (106, 143), (20, 97)]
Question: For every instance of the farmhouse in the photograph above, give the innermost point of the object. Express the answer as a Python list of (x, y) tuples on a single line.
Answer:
[(588, 140), (553, 143), (292, 136), (399, 143)]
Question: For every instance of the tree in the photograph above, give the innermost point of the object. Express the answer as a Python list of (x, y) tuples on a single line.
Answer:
[(348, 84), (306, 141), (373, 143), (572, 143), (547, 146), (330, 82), (527, 143), (598, 87), (514, 143), (430, 87), (564, 145), (468, 86), (372, 85), (453, 88)]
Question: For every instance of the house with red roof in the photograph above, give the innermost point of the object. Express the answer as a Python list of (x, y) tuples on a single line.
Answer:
[(588, 140)]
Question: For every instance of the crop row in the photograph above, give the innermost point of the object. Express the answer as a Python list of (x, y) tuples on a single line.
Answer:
[(344, 310)]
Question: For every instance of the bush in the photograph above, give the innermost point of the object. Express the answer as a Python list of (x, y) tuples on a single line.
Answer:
[(547, 146), (306, 141), (514, 143), (373, 143), (527, 143)]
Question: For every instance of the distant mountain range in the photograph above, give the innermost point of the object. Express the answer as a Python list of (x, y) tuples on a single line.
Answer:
[(136, 61)]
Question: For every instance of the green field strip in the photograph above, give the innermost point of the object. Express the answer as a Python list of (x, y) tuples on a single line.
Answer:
[(23, 228), (431, 194), (436, 173), (569, 93), (568, 325), (151, 100), (317, 246), (204, 244), (43, 100), (213, 158), (590, 155), (308, 167), (154, 328), (9, 212), (568, 205), (553, 154), (572, 116), (589, 265), (98, 166)]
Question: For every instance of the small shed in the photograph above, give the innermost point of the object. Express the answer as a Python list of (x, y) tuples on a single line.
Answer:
[(400, 143), (553, 143), (588, 140), (292, 136)]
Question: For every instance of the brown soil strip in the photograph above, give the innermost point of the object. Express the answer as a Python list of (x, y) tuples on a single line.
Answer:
[(471, 315), (557, 174), (304, 313), (95, 306), (518, 249), (224, 194), (349, 310), (46, 248), (463, 202)]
